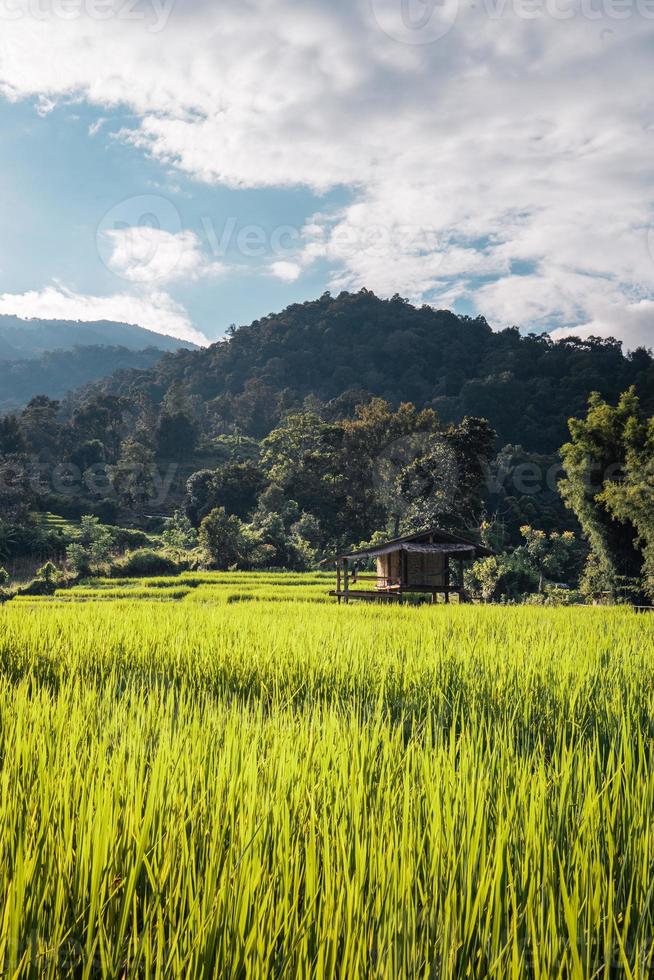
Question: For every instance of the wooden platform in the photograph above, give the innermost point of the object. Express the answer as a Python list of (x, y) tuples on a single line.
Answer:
[(393, 595)]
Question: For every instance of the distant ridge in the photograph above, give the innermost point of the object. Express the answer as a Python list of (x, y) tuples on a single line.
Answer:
[(50, 357), (23, 339)]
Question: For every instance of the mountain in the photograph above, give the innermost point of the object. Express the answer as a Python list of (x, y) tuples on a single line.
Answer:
[(337, 351), (51, 357), (57, 372), (21, 339)]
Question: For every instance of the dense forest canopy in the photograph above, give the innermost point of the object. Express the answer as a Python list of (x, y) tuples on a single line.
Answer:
[(347, 348)]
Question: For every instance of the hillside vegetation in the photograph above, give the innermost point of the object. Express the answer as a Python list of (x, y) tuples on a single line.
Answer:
[(52, 357), (55, 373), (342, 350)]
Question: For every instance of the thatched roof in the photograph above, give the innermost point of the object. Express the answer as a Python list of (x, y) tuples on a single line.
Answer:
[(432, 540)]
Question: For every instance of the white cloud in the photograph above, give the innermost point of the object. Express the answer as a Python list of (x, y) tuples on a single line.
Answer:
[(144, 254), (157, 311), (633, 323), (96, 126), (513, 144), (286, 271)]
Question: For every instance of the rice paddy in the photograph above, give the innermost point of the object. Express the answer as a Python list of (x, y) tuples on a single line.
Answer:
[(197, 785)]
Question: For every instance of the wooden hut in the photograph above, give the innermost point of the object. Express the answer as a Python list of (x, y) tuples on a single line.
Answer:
[(430, 562)]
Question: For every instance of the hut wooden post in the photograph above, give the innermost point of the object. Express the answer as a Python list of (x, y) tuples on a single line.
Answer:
[(447, 578), (460, 579), (346, 587), (338, 579)]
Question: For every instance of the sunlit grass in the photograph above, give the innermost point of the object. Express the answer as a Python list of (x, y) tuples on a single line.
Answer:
[(306, 790)]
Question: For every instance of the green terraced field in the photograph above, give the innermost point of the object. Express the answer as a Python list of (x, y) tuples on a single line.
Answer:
[(222, 587)]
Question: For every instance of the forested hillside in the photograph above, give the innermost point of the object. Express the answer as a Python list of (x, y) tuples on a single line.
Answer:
[(344, 349), (54, 373), (52, 357)]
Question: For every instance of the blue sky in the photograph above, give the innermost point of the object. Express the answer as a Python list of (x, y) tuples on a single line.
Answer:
[(186, 165), (60, 180)]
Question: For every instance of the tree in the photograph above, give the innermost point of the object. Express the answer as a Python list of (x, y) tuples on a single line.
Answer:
[(227, 542), (11, 436), (88, 453), (600, 486), (379, 446), (16, 490), (133, 475), (629, 498), (177, 435), (472, 442), (284, 546), (78, 559), (236, 487), (7, 539), (199, 497), (93, 543), (179, 533), (4, 576), (548, 555), (485, 577), (302, 458), (40, 427)]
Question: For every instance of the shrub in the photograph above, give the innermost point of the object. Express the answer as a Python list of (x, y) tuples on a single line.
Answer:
[(143, 563), (47, 579), (48, 574), (78, 559), (131, 538)]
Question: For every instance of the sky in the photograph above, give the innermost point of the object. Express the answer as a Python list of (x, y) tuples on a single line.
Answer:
[(186, 165)]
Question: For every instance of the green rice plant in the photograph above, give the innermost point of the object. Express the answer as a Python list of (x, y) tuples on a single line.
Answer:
[(307, 790), (80, 594), (209, 587)]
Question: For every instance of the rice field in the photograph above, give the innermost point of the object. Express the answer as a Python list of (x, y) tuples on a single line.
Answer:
[(207, 787), (212, 587)]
